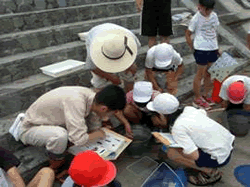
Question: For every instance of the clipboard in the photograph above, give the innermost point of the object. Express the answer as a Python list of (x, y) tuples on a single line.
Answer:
[(104, 149), (166, 140)]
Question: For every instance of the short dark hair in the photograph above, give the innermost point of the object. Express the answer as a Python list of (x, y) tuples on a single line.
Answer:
[(207, 3), (111, 96)]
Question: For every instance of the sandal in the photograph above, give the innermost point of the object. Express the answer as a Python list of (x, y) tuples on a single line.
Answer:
[(214, 173), (201, 180)]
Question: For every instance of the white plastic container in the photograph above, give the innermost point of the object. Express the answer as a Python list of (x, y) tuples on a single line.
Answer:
[(63, 68)]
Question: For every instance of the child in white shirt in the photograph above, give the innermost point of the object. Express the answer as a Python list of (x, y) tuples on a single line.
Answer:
[(204, 25), (163, 59)]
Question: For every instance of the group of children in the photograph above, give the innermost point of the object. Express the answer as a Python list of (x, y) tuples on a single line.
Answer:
[(73, 115)]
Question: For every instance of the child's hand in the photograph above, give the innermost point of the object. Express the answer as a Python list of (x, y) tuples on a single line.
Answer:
[(159, 89), (129, 133), (220, 52), (132, 69)]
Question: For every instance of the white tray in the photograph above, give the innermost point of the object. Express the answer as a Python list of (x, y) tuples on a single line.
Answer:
[(62, 68)]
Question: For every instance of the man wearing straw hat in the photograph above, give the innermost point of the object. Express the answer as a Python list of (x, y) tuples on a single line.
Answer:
[(110, 49)]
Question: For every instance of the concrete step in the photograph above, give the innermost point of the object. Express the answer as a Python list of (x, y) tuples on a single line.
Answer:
[(15, 43), (45, 18), (20, 94), (19, 42), (25, 64), (11, 7)]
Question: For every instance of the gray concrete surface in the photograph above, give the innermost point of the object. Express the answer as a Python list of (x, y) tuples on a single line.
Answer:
[(240, 156)]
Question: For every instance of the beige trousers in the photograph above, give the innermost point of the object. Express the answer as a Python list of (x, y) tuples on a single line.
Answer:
[(53, 138)]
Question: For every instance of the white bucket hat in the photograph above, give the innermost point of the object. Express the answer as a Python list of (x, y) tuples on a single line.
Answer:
[(113, 50), (142, 91), (163, 54), (164, 104)]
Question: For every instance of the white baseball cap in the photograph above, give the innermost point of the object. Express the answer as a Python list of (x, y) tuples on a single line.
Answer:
[(163, 54), (164, 103), (142, 91)]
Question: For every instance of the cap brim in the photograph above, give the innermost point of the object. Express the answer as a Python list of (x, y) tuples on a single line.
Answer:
[(141, 99), (150, 106), (110, 175), (236, 102), (163, 63), (105, 64), (68, 182)]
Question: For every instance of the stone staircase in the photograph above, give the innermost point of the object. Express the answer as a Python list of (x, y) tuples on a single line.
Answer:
[(30, 40)]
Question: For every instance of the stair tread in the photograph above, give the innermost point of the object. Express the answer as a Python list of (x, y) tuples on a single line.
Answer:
[(42, 78)]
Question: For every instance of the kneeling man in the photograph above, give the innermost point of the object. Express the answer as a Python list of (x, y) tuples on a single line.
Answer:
[(69, 114)]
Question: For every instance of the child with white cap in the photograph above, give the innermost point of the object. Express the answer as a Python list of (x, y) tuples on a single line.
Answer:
[(163, 59), (137, 99), (205, 144)]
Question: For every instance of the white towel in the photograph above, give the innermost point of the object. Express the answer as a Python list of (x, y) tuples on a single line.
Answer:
[(15, 128)]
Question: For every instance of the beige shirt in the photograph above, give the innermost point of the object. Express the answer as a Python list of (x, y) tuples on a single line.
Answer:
[(68, 107)]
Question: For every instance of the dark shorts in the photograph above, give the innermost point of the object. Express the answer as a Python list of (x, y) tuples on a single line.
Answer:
[(156, 18), (206, 161), (203, 57)]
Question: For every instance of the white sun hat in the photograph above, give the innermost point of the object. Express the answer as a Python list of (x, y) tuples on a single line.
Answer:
[(164, 103), (113, 50), (142, 91), (163, 54)]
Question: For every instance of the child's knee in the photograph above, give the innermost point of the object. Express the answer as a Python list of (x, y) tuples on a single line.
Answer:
[(47, 171)]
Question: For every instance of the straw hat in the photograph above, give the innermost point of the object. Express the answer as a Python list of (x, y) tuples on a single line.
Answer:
[(113, 50)]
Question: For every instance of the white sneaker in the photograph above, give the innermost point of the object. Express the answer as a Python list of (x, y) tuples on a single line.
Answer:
[(15, 128)]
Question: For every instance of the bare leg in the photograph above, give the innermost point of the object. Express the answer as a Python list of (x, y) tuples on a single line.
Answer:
[(197, 80), (172, 84), (207, 81), (175, 154), (151, 41), (165, 39), (45, 177)]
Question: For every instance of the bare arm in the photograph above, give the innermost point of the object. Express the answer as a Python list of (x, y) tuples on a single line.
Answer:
[(179, 71), (139, 5), (132, 69), (188, 34), (151, 78), (248, 41), (109, 76), (120, 116), (94, 136), (15, 177)]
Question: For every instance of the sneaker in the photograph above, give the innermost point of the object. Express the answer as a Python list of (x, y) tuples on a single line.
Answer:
[(209, 100), (201, 103)]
